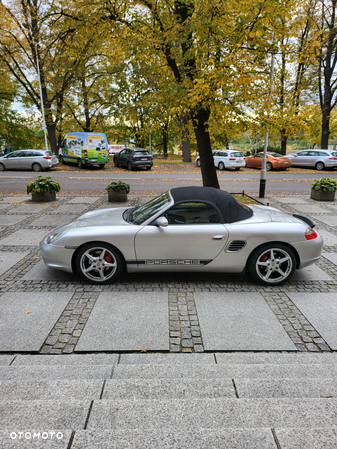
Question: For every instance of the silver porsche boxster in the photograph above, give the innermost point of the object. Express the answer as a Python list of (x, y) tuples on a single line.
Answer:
[(185, 229)]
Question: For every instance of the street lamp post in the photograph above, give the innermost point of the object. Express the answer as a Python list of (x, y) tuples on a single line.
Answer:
[(263, 175)]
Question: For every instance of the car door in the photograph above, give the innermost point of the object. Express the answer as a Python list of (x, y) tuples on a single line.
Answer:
[(301, 159), (194, 236), (13, 160), (121, 157), (27, 160)]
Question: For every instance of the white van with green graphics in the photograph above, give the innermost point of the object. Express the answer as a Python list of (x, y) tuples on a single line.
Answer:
[(85, 149)]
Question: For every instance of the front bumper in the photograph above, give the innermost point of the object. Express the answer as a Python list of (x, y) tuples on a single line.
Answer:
[(57, 257)]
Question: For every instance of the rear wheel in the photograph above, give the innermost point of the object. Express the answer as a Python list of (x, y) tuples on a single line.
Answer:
[(99, 263), (221, 166), (2, 167), (79, 163), (148, 168), (198, 162), (36, 167), (101, 166), (272, 264), (320, 166), (269, 166), (129, 166)]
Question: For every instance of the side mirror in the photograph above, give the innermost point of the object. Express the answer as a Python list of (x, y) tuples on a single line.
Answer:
[(162, 222)]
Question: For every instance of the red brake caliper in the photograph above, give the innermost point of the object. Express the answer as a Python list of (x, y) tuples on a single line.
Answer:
[(108, 257), (264, 258)]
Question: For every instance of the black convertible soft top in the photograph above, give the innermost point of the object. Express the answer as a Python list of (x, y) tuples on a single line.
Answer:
[(229, 208)]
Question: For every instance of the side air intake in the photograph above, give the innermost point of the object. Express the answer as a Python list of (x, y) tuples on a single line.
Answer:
[(235, 245)]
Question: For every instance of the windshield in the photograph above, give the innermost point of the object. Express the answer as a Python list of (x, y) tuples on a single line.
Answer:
[(150, 208)]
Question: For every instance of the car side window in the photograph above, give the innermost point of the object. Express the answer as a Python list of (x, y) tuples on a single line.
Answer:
[(303, 153), (122, 152), (19, 154), (192, 213)]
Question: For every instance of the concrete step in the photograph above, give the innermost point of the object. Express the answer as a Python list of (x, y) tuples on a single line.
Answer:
[(182, 388), (231, 358), (146, 371), (179, 414), (33, 372), (262, 438), (254, 371), (212, 413)]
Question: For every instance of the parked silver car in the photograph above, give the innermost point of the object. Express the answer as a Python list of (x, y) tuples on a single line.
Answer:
[(199, 229), (318, 159), (36, 160), (230, 159)]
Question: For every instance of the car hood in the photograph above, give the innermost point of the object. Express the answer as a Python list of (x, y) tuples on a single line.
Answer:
[(103, 217), (266, 213)]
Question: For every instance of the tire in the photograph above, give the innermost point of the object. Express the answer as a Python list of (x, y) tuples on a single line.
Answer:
[(237, 169), (221, 166), (2, 167), (320, 166), (79, 163), (36, 167), (269, 166), (98, 263), (101, 166), (148, 168), (130, 166), (272, 264), (62, 161), (116, 163), (197, 163)]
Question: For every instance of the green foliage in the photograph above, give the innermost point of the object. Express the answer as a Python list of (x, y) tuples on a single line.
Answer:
[(325, 185), (118, 186), (43, 185)]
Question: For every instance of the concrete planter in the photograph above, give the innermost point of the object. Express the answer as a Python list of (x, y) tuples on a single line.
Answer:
[(117, 197), (46, 198), (318, 195)]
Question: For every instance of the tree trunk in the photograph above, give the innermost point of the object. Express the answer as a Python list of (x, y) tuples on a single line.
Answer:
[(165, 139), (185, 137), (284, 139), (208, 170), (325, 128), (52, 137), (226, 140)]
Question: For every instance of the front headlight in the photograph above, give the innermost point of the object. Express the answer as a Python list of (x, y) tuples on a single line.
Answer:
[(55, 235)]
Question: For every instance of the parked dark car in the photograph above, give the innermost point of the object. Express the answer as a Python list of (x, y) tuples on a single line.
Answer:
[(133, 159)]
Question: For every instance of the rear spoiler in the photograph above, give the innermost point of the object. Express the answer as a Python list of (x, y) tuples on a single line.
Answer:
[(305, 219)]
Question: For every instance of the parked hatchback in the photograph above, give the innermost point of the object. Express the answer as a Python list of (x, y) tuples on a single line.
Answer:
[(36, 160), (318, 159), (133, 159), (226, 159)]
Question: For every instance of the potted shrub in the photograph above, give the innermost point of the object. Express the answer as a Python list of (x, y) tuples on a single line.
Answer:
[(117, 191), (323, 189), (43, 189)]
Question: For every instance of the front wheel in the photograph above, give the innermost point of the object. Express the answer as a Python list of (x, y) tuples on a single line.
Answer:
[(272, 264), (98, 263), (319, 166)]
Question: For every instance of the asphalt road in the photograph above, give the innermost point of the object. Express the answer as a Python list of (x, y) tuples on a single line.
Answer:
[(93, 181)]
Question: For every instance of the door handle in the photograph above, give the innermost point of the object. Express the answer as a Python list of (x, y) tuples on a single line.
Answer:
[(218, 237)]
